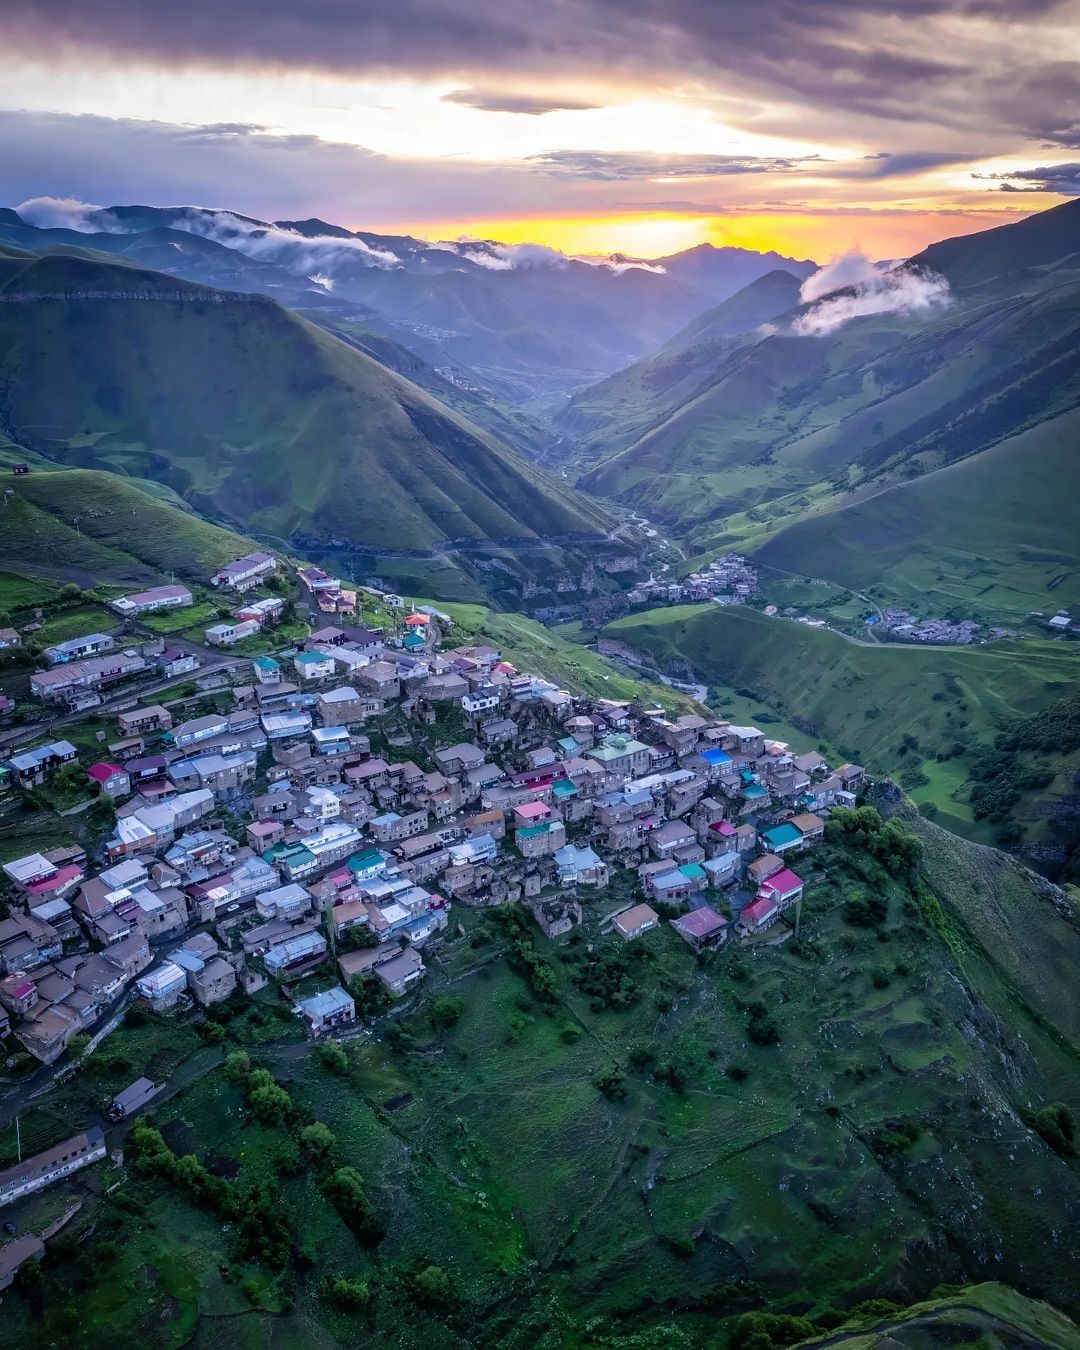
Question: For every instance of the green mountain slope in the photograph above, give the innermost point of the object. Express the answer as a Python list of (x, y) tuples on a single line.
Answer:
[(988, 533), (983, 1314), (254, 415), (774, 428), (91, 528), (764, 299), (866, 700)]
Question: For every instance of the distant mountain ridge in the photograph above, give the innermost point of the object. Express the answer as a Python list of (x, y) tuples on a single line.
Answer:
[(734, 440), (525, 324)]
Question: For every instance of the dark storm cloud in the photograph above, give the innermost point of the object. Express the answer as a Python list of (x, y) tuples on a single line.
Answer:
[(617, 167), (1060, 178), (879, 58)]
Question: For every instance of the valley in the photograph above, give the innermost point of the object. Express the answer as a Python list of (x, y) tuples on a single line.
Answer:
[(440, 922)]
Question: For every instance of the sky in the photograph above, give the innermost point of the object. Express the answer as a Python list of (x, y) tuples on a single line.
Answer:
[(634, 126)]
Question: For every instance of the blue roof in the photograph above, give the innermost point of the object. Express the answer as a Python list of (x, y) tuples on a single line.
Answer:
[(715, 756), (755, 791)]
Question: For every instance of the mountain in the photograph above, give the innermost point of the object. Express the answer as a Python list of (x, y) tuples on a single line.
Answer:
[(735, 439), (256, 416), (92, 527), (722, 272), (525, 324), (614, 414), (766, 298)]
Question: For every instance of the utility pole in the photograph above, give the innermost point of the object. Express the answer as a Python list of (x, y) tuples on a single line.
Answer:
[(18, 1139)]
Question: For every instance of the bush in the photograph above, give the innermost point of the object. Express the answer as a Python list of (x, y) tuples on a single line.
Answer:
[(446, 1013), (611, 1084), (333, 1057), (769, 1331), (1056, 1124), (318, 1139), (349, 1295), (431, 1287)]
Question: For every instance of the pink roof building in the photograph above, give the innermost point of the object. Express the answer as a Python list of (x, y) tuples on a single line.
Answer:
[(531, 813), (101, 773), (784, 887)]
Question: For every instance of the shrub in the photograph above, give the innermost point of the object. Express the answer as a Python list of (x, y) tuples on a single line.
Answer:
[(446, 1012), (1056, 1124), (349, 1295), (333, 1057), (611, 1084), (431, 1287)]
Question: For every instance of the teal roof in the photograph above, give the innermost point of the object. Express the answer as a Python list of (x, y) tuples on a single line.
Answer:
[(360, 862), (531, 831), (780, 835), (692, 871), (308, 658), (564, 788), (266, 663), (754, 791)]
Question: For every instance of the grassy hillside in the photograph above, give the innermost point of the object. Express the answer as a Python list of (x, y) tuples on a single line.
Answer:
[(766, 298), (254, 415), (985, 1314), (894, 709), (97, 528), (729, 441), (921, 543), (858, 1155)]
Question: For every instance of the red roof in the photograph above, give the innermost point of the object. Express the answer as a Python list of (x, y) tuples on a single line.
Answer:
[(723, 827), (762, 908), (60, 878), (417, 620), (784, 882), (101, 773)]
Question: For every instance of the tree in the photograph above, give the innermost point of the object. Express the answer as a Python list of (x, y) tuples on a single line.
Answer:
[(267, 1099), (333, 1057), (318, 1139), (237, 1067), (431, 1287), (446, 1013), (371, 996), (344, 1189), (350, 1295)]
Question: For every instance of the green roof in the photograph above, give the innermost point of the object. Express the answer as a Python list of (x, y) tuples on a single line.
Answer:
[(692, 871), (266, 663), (615, 747), (564, 788), (306, 658)]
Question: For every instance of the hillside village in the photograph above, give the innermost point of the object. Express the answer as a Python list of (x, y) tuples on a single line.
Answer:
[(355, 789)]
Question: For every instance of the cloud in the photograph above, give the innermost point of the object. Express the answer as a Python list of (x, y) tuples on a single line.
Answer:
[(529, 105), (1063, 179), (313, 256), (57, 213), (943, 63), (852, 286), (498, 257), (850, 269), (887, 164), (676, 205), (627, 166)]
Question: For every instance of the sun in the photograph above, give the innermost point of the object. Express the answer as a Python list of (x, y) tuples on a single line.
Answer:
[(648, 236)]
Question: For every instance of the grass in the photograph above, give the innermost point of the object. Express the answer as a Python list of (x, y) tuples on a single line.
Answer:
[(92, 527), (864, 700), (919, 545), (489, 1151)]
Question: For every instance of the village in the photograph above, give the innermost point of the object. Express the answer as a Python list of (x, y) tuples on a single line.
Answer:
[(306, 830)]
